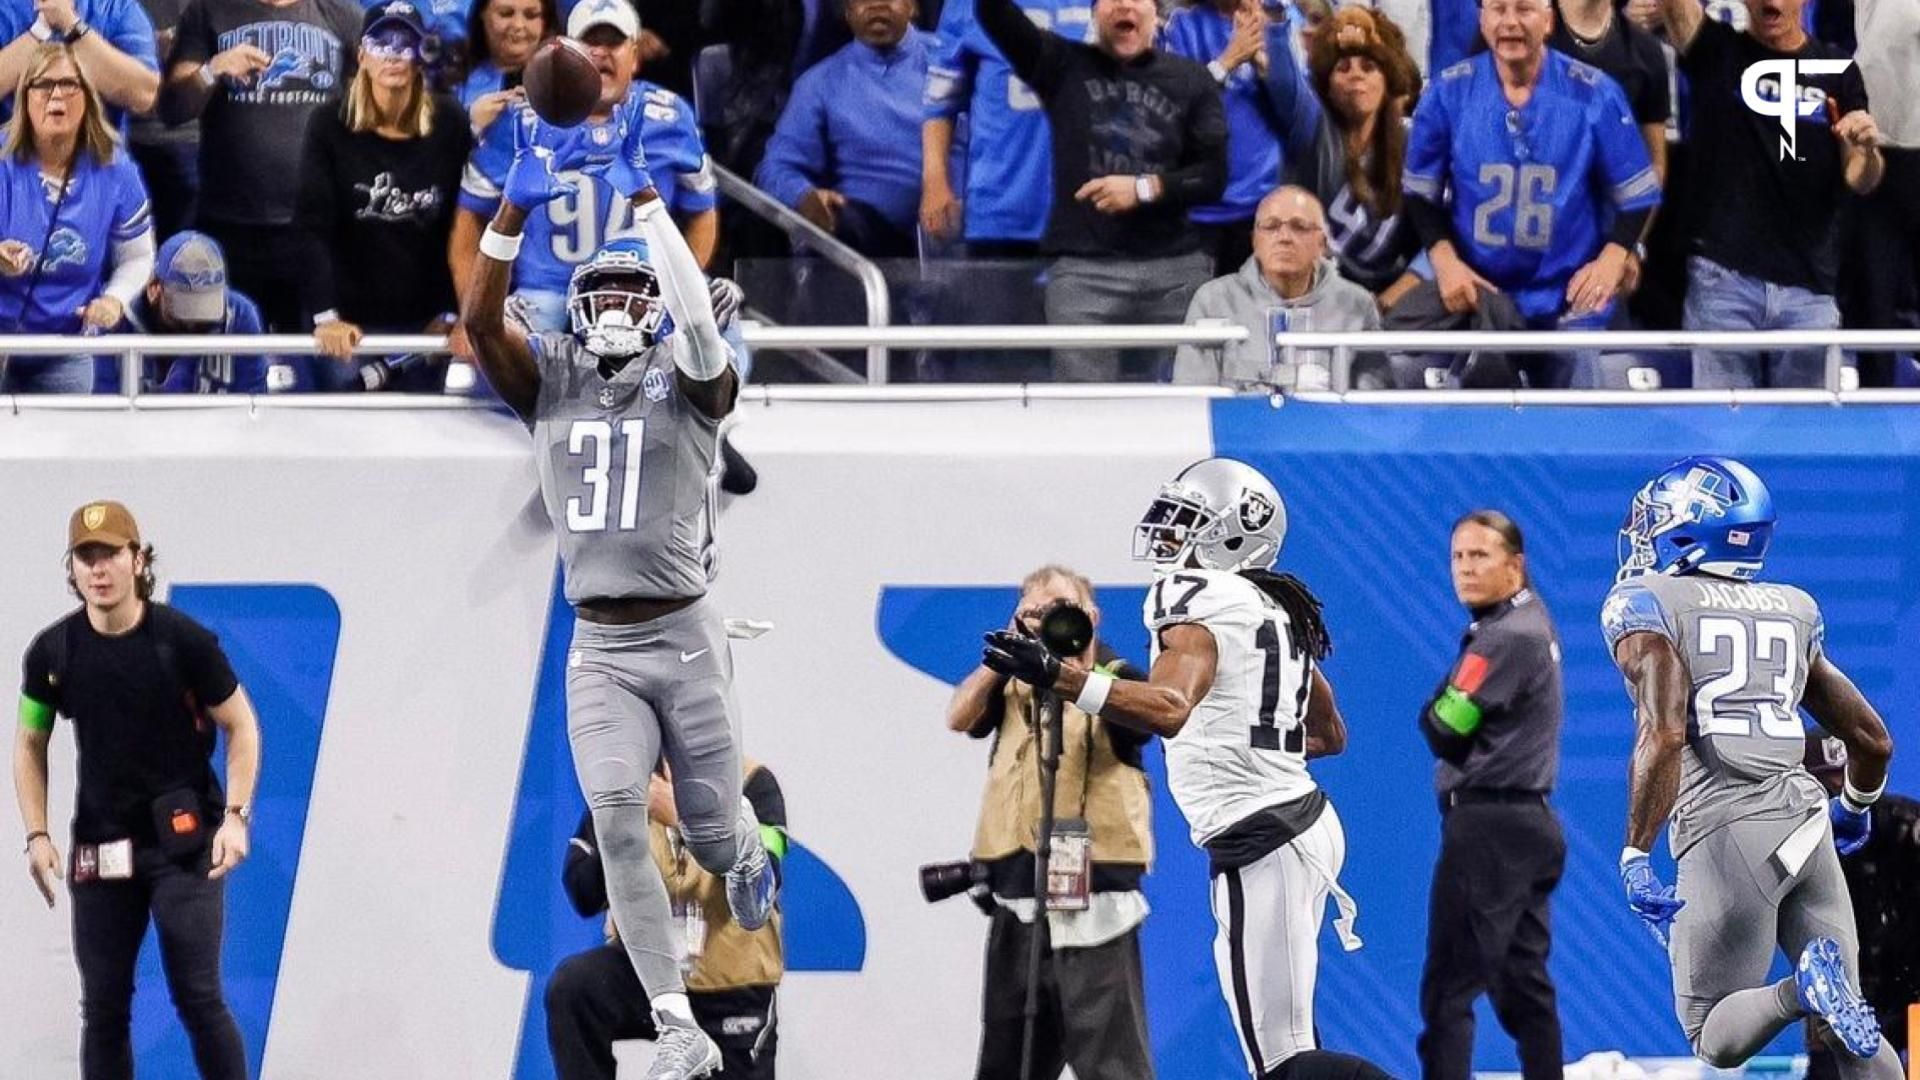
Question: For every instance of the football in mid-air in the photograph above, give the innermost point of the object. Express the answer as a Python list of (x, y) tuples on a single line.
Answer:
[(561, 82)]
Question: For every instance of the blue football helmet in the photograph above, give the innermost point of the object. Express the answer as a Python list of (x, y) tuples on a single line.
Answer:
[(613, 301), (1706, 514)]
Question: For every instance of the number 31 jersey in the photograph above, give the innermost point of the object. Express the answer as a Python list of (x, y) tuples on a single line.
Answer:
[(1243, 748), (626, 469), (1747, 648)]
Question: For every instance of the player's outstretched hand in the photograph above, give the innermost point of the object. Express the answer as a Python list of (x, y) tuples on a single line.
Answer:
[(1649, 899), (1851, 827), (538, 150), (1022, 658)]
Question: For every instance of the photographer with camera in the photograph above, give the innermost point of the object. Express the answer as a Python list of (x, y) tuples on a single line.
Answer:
[(1091, 1003)]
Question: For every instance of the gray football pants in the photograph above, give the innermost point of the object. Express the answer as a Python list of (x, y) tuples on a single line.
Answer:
[(1741, 905), (634, 694)]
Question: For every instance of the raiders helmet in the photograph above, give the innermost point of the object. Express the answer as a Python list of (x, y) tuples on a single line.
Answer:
[(1217, 514)]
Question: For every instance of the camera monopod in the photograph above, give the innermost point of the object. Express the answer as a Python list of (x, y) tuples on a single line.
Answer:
[(1066, 630)]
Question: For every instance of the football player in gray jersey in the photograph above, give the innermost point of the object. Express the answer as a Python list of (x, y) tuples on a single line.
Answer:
[(625, 412), (1718, 663)]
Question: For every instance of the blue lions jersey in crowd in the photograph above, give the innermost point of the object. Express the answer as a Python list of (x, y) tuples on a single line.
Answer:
[(567, 231), (1532, 188), (1009, 165), (104, 205)]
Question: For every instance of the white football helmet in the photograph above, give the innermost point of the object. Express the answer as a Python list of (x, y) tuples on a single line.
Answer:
[(1217, 514)]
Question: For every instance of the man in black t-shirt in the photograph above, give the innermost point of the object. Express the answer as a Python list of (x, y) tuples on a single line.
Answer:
[(144, 687), (1765, 193), (1139, 137)]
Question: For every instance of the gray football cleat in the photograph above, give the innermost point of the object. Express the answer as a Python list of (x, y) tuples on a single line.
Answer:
[(682, 1052)]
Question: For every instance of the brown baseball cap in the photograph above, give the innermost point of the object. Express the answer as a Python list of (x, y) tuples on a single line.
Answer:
[(104, 522)]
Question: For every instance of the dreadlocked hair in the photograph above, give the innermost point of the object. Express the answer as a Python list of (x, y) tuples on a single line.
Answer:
[(1301, 606)]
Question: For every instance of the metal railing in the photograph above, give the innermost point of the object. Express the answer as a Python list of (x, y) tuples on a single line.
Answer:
[(132, 348), (872, 282)]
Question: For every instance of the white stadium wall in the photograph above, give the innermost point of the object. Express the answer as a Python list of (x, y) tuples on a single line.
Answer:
[(385, 583)]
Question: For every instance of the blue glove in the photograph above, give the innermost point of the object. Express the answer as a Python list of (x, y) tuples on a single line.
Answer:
[(538, 148), (1021, 657), (628, 173), (1649, 899), (1850, 827)]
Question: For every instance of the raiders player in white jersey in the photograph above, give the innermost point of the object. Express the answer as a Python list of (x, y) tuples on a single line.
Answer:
[(1236, 692), (625, 412)]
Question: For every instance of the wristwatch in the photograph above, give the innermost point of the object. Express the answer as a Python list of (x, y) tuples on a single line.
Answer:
[(1143, 188), (243, 812), (80, 28)]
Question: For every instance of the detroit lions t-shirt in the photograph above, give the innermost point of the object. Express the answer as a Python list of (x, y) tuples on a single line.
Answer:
[(252, 132)]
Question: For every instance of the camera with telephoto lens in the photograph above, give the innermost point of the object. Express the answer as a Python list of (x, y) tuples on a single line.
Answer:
[(1065, 628), (944, 881)]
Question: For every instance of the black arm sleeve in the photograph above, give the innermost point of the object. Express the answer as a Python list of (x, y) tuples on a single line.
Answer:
[(315, 211), (583, 877), (1429, 220), (1629, 226), (763, 794), (1031, 52), (1202, 175)]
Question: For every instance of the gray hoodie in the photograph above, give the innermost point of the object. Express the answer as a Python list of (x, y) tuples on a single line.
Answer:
[(1330, 303)]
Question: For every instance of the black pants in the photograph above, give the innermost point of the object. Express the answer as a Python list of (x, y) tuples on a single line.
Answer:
[(594, 1000), (1488, 931), (1093, 1008), (109, 921), (269, 263)]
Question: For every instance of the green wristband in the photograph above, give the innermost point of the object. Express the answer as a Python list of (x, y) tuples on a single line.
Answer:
[(34, 715), (1457, 711), (774, 839)]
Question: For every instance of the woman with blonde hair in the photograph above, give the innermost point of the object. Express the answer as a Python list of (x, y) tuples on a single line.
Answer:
[(1350, 151), (72, 209), (378, 178)]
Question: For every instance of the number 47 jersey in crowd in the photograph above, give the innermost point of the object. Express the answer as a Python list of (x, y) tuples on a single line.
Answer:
[(1243, 748), (626, 466)]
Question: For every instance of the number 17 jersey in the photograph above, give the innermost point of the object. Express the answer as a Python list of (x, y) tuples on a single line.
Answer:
[(1243, 747), (626, 467), (1747, 649)]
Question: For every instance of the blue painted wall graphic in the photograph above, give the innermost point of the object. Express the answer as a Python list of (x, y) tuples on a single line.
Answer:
[(535, 927), (282, 640)]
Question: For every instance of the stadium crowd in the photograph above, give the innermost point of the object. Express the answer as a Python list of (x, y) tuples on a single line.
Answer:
[(310, 167)]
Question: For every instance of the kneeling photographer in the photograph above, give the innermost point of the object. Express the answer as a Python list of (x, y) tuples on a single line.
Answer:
[(1088, 1001)]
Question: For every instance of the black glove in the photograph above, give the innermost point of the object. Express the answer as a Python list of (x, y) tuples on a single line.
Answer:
[(1022, 658)]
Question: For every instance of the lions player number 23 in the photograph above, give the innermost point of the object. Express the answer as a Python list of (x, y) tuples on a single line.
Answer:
[(594, 440), (1774, 642)]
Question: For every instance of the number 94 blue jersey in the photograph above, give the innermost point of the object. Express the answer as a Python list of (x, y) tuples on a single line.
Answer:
[(1533, 189), (567, 231)]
